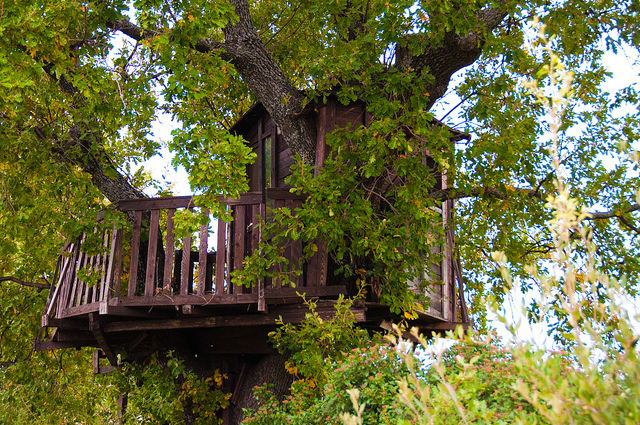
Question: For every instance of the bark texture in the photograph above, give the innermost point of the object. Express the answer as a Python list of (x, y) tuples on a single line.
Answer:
[(258, 371)]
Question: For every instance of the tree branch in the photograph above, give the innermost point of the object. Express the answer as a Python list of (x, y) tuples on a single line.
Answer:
[(453, 193), (246, 51), (24, 283), (454, 53)]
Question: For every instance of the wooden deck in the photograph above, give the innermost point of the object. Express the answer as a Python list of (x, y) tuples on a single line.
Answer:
[(151, 287)]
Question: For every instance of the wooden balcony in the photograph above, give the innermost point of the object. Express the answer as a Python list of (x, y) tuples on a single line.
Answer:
[(148, 286), (159, 268)]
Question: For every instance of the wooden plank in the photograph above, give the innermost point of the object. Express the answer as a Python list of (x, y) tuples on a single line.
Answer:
[(249, 198), (77, 283), (323, 260), (55, 276), (169, 253), (186, 265), (49, 322), (145, 204), (191, 299), (287, 295), (114, 283), (129, 311), (259, 213), (238, 242), (292, 316), (57, 345), (202, 254), (68, 280), (135, 253), (103, 264), (282, 193), (296, 252), (220, 257), (85, 297), (152, 254), (110, 266), (96, 328), (65, 261), (80, 310)]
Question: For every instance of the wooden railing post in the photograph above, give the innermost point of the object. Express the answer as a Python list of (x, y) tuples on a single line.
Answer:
[(152, 254), (220, 257), (169, 253), (135, 253), (202, 254)]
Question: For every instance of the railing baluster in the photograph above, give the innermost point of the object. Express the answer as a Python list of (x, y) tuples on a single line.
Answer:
[(169, 253), (202, 257), (65, 294), (238, 242), (152, 254), (135, 253), (186, 265), (102, 264), (114, 282), (262, 304), (64, 266), (220, 257), (77, 283)]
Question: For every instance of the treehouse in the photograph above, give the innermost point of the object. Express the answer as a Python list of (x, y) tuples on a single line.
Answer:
[(149, 287)]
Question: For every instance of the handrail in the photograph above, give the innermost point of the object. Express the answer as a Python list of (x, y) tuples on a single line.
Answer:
[(156, 262)]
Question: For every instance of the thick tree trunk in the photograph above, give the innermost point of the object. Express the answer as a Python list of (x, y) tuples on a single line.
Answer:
[(258, 371)]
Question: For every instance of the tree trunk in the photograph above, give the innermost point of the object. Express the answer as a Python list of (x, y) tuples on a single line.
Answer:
[(256, 372)]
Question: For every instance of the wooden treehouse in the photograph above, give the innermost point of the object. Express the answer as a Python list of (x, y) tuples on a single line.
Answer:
[(152, 291)]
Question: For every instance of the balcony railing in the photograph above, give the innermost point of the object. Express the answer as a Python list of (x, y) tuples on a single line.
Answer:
[(153, 265)]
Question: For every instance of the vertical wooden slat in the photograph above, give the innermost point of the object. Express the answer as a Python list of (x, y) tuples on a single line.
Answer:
[(238, 242), (262, 304), (228, 257), (114, 282), (61, 281), (220, 257), (202, 257), (277, 283), (88, 289), (186, 265), (77, 283), (78, 265), (104, 261), (68, 280), (110, 266), (135, 253), (152, 254), (296, 251), (169, 253), (56, 272)]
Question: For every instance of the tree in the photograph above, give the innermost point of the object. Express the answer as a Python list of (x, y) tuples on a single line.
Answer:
[(77, 105)]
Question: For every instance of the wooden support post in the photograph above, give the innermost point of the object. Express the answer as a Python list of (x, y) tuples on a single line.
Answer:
[(186, 265), (96, 327), (135, 253), (152, 254), (238, 242), (169, 253), (262, 303), (202, 254), (122, 407), (111, 265), (220, 257)]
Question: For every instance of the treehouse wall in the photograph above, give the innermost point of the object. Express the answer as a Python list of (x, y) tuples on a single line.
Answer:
[(273, 165)]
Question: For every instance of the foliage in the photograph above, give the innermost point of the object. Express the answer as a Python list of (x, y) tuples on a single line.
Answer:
[(317, 344), (165, 391), (78, 100)]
